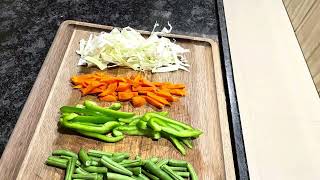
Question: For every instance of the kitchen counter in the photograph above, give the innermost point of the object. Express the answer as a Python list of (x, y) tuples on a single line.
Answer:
[(28, 28)]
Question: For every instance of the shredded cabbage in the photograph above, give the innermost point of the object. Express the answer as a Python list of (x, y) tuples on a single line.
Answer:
[(129, 48)]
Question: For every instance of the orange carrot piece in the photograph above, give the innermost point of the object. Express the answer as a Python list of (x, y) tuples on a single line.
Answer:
[(109, 98), (165, 95), (147, 83), (175, 86), (90, 87), (138, 101), (154, 102), (125, 96), (110, 89), (151, 89), (158, 84), (178, 92), (136, 80), (158, 98), (77, 86), (96, 90), (143, 92), (123, 86), (135, 93)]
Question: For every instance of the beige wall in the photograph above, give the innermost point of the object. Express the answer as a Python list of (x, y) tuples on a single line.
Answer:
[(305, 19)]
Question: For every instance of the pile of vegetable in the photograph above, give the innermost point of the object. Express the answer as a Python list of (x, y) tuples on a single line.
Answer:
[(98, 122), (136, 89), (99, 165), (129, 48)]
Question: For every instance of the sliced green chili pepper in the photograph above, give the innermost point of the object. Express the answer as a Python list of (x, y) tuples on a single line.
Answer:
[(193, 173), (134, 122), (115, 132), (149, 175), (171, 173), (109, 112), (101, 137), (70, 168), (183, 133), (115, 167), (152, 123), (142, 125), (154, 169), (115, 106), (114, 176), (83, 156), (63, 152), (182, 174), (93, 169), (162, 113)]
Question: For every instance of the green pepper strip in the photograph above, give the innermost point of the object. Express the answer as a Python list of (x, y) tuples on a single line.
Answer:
[(101, 130), (171, 173), (152, 123), (115, 132), (178, 145), (193, 173), (104, 138), (93, 119), (83, 156), (70, 168), (115, 167), (70, 109), (154, 169), (93, 169), (114, 176), (149, 115), (109, 112), (183, 133), (115, 106), (134, 122), (63, 152)]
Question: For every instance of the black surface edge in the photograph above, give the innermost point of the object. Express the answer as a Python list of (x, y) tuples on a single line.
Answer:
[(239, 155)]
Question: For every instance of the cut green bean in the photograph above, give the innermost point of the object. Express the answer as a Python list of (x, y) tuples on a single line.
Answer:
[(135, 170), (154, 169), (149, 175), (115, 176), (84, 158), (91, 176), (57, 164), (131, 163), (58, 159), (171, 173), (94, 163), (93, 169), (119, 158), (177, 163), (101, 137), (162, 162), (98, 154), (94, 158), (108, 112), (154, 159), (115, 167), (182, 174), (60, 152), (70, 168), (174, 168), (141, 177), (79, 170), (192, 172)]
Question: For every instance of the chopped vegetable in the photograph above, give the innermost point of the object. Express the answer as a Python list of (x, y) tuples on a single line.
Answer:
[(110, 88), (129, 48)]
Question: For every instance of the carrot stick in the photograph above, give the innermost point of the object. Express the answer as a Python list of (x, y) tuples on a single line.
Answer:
[(154, 102), (158, 98)]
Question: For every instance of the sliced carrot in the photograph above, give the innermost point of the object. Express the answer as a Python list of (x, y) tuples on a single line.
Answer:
[(165, 94), (96, 90), (151, 89), (158, 84), (175, 86), (143, 92), (147, 83), (154, 102), (110, 89), (178, 92), (136, 80), (109, 98), (158, 98), (90, 87), (125, 96), (138, 101), (123, 86)]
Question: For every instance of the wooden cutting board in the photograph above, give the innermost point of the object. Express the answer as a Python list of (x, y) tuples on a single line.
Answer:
[(204, 107)]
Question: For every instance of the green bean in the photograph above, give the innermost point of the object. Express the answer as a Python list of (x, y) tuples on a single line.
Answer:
[(62, 152), (178, 145), (94, 163), (182, 174), (119, 158), (58, 164), (115, 106), (93, 119), (107, 127), (154, 159), (131, 163), (91, 176), (85, 159), (193, 173), (58, 159), (99, 154), (109, 112), (187, 142), (127, 155), (115, 167), (141, 177), (177, 163), (115, 132), (149, 175), (94, 158), (70, 168), (138, 157), (162, 162), (174, 168), (183, 133), (135, 170), (93, 169), (148, 115), (79, 170), (154, 169), (152, 123), (70, 109), (114, 176), (101, 137), (171, 173)]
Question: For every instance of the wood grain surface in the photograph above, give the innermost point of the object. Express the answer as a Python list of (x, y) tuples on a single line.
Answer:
[(204, 108), (278, 102)]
